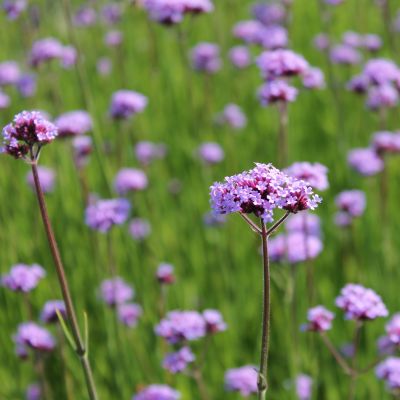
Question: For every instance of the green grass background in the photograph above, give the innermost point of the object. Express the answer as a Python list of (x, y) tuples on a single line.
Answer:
[(215, 267)]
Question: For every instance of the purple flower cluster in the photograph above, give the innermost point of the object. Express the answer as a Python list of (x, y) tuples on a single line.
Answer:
[(47, 179), (129, 314), (360, 303), (82, 146), (130, 180), (242, 380), (276, 91), (393, 329), (233, 116), (14, 8), (319, 319), (116, 291), (269, 13), (28, 129), (365, 161), (48, 49), (101, 215), (10, 73), (313, 78), (113, 38), (305, 222), (260, 191), (127, 103), (146, 152), (31, 335), (240, 56), (85, 16), (214, 321), (170, 12), (33, 392), (179, 360), (205, 57), (49, 311), (351, 204), (157, 392), (386, 143), (23, 278), (389, 371), (304, 387), (165, 274), (211, 153), (139, 228), (74, 123), (314, 174), (345, 55)]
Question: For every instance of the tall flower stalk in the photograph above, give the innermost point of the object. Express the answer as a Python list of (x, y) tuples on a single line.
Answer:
[(260, 192), (24, 138)]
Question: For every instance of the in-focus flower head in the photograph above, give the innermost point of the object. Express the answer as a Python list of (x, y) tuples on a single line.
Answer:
[(49, 311), (211, 153), (260, 191), (101, 215), (157, 392), (281, 63), (276, 91), (116, 291), (180, 326), (179, 360), (315, 174), (319, 319), (129, 313), (139, 228), (365, 161), (165, 274), (28, 129), (74, 123), (127, 103), (205, 57), (32, 336), (214, 321), (23, 278), (242, 380), (130, 180), (360, 303), (47, 178), (304, 387)]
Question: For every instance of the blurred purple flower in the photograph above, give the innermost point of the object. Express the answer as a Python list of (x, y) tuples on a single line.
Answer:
[(382, 96), (233, 116), (386, 142), (127, 103), (113, 38), (211, 153), (205, 57), (165, 274), (372, 42), (116, 291), (304, 387), (5, 100), (85, 16), (314, 174), (146, 151), (214, 321), (276, 91), (130, 180), (23, 278), (242, 380), (31, 335), (10, 73), (47, 178), (273, 37), (33, 392), (111, 13), (352, 39), (129, 314), (345, 55), (321, 41), (49, 311), (213, 219), (69, 57), (104, 66), (319, 319), (13, 8), (179, 360), (249, 31), (389, 371), (393, 329), (365, 161), (157, 392), (351, 203), (305, 222), (82, 146), (380, 71), (74, 123), (269, 13), (139, 228), (240, 56), (313, 78), (26, 85), (45, 50)]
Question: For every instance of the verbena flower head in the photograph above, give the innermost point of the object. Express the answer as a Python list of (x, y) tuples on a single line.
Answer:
[(157, 392), (32, 336), (281, 63), (165, 274), (47, 178), (273, 37), (260, 191), (127, 103), (113, 38), (372, 42), (386, 142), (180, 326), (315, 174), (240, 56), (129, 314), (313, 78), (233, 116), (26, 85), (382, 96), (365, 161), (214, 321), (385, 346), (205, 57), (304, 387), (276, 91), (33, 392), (345, 55), (351, 202), (69, 57), (10, 73), (23, 278), (360, 303), (305, 222), (179, 360), (249, 31), (5, 100), (380, 71), (319, 319), (45, 50), (211, 153), (139, 228), (393, 329), (111, 13), (74, 123), (102, 215), (351, 38), (130, 180), (146, 152), (321, 41), (29, 129), (13, 8), (85, 16), (116, 291), (389, 371), (358, 84), (168, 12), (269, 13), (49, 311), (295, 247), (242, 380), (333, 2)]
